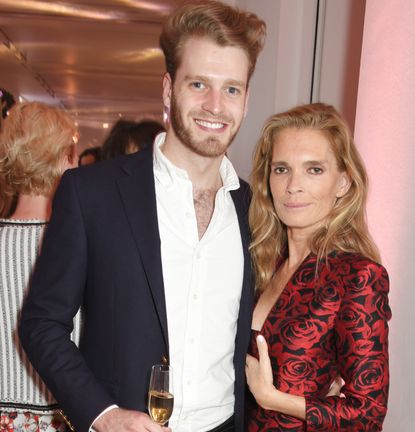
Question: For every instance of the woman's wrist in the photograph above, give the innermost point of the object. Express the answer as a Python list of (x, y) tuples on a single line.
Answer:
[(270, 399), (275, 400)]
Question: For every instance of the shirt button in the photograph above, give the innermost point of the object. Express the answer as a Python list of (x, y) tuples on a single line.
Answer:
[(192, 341), (189, 382), (198, 255), (195, 296)]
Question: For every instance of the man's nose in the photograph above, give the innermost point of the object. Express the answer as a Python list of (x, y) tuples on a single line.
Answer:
[(213, 102)]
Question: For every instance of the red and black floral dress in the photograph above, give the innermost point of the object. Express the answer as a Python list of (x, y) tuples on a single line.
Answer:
[(335, 324)]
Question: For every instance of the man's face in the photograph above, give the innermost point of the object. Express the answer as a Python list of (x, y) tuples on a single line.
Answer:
[(208, 98)]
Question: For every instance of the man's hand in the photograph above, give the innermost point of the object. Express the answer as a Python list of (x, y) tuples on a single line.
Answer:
[(122, 420)]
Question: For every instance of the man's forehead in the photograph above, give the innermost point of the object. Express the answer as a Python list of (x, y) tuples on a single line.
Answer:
[(204, 57)]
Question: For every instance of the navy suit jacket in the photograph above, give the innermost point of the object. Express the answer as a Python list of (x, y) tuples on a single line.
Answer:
[(102, 251)]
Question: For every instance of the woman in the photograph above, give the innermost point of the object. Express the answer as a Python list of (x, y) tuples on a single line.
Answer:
[(36, 146), (322, 306)]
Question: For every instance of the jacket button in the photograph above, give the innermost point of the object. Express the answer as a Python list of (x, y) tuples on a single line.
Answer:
[(164, 360)]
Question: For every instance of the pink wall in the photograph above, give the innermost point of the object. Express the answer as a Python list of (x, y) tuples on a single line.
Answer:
[(385, 134)]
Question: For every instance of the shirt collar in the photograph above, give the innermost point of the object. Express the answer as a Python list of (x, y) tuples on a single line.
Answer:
[(166, 172)]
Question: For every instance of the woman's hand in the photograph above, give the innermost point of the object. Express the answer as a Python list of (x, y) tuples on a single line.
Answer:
[(335, 387), (260, 381), (259, 375)]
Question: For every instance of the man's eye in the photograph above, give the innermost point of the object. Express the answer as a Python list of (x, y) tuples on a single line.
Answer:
[(198, 85), (233, 91)]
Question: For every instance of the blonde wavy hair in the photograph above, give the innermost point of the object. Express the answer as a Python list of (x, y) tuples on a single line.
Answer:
[(34, 141), (346, 227)]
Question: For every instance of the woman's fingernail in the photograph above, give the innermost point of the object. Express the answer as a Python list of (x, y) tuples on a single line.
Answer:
[(260, 339)]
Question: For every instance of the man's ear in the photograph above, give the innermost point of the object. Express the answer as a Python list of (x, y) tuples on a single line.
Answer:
[(246, 102), (167, 90), (344, 185)]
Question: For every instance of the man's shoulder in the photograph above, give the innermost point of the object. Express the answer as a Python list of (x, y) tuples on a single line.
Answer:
[(244, 184), (244, 191), (113, 168)]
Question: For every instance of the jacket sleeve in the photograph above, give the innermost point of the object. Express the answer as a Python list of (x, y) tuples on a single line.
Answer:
[(361, 333), (55, 295)]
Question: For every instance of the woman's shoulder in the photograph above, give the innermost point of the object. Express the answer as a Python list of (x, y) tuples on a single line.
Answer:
[(359, 272), (352, 261)]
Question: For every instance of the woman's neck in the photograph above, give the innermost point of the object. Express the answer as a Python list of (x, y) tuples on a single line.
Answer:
[(298, 250), (33, 207)]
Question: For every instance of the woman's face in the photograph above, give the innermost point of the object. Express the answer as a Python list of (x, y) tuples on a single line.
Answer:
[(305, 180)]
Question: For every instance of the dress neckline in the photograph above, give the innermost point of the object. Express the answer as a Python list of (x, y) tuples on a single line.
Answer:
[(23, 222), (306, 259)]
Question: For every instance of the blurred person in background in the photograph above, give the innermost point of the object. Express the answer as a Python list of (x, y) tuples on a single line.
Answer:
[(128, 137), (7, 204), (6, 102), (322, 295), (90, 155), (36, 147)]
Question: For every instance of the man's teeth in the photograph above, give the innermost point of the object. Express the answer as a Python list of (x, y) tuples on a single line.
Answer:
[(209, 124)]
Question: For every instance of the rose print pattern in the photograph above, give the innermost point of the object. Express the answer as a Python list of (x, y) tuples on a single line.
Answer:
[(30, 422), (325, 326)]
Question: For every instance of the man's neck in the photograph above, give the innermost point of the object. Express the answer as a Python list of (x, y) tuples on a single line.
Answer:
[(203, 171)]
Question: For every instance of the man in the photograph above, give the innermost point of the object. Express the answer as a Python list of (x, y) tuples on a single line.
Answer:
[(155, 248)]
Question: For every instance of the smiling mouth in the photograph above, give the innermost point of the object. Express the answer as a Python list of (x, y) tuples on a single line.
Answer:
[(212, 126)]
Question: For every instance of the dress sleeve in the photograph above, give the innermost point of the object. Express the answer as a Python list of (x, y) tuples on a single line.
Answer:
[(361, 337)]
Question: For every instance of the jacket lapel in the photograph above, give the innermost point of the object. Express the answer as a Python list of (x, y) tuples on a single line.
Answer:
[(138, 195), (241, 199)]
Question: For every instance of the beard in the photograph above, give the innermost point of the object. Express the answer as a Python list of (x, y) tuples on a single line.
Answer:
[(210, 146)]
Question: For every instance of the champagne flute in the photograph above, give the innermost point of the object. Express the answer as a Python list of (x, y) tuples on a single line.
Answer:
[(160, 394)]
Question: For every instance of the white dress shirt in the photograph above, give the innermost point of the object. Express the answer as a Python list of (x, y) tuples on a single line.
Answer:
[(203, 284)]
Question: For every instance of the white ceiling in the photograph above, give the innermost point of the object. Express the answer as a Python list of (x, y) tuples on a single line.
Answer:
[(99, 59)]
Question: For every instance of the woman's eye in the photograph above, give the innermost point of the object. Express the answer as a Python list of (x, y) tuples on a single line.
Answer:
[(280, 170), (316, 170)]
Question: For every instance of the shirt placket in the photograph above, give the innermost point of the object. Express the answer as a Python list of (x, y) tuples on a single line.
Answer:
[(191, 360)]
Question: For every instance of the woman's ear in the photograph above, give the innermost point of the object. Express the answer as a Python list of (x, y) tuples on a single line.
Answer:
[(344, 185), (71, 158)]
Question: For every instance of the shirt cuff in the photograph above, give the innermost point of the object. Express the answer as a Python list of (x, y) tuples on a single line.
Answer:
[(111, 407)]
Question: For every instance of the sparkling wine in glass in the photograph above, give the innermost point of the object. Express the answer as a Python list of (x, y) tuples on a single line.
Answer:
[(160, 394)]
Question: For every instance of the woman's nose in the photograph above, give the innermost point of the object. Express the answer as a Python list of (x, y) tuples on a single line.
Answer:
[(294, 184)]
